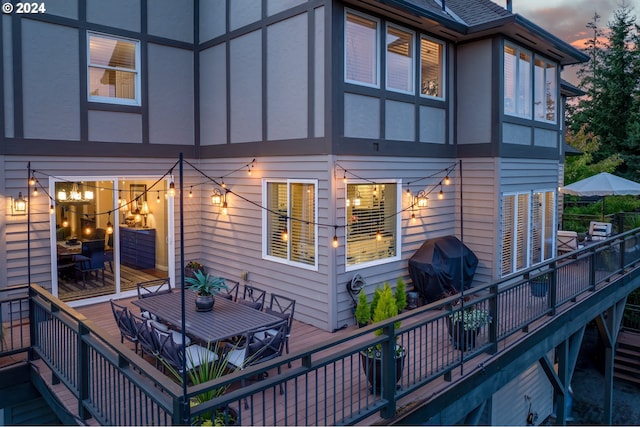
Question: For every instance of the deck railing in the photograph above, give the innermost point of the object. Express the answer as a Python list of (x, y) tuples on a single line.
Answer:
[(326, 384)]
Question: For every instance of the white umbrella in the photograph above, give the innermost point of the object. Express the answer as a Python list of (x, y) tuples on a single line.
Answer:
[(603, 184)]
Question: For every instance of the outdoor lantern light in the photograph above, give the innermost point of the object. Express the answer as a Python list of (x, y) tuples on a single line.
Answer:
[(216, 197), (422, 200), (19, 205)]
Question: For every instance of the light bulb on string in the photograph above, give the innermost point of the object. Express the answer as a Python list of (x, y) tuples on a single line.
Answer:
[(191, 192), (35, 191), (222, 184), (158, 198), (335, 242), (249, 170), (344, 177), (285, 234), (447, 181), (225, 207), (32, 180), (441, 193), (378, 235), (413, 217), (109, 224), (172, 189), (52, 209)]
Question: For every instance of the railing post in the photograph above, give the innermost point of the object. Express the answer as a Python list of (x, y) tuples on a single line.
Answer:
[(389, 371), (83, 371), (493, 326), (553, 294), (592, 269), (623, 245), (178, 411)]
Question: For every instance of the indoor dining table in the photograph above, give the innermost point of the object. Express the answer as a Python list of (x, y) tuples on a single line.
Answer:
[(227, 319)]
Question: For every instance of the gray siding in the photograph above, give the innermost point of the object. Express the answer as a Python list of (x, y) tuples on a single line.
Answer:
[(166, 18), (245, 82), (361, 116), (474, 92), (123, 14), (50, 82), (212, 18), (400, 121), (213, 96), (7, 69), (171, 110), (115, 127), (516, 134), (244, 12)]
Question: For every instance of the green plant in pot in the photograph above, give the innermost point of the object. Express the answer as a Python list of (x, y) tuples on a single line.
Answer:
[(363, 310), (191, 268), (539, 285), (465, 325), (386, 307), (209, 370), (205, 285)]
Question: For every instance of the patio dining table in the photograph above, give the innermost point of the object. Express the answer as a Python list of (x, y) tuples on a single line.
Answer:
[(227, 319)]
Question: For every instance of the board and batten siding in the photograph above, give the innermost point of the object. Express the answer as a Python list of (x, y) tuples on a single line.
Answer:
[(510, 404)]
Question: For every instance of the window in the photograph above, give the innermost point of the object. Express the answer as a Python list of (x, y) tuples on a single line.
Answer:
[(528, 221), (517, 82), (399, 60), (361, 50), (372, 223), (114, 70), (290, 222), (431, 68), (545, 91)]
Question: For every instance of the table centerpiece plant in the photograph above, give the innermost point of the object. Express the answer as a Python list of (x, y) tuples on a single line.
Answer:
[(205, 285)]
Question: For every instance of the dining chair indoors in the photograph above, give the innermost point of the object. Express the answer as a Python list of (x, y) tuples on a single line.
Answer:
[(252, 297), (91, 260), (124, 323)]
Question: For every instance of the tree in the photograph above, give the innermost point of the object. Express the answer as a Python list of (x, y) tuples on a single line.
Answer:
[(583, 166), (611, 78)]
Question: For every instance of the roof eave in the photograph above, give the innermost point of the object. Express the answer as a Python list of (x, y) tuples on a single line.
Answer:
[(450, 24)]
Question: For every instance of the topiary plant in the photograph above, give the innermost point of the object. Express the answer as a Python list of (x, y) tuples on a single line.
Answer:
[(401, 294), (386, 306), (363, 310)]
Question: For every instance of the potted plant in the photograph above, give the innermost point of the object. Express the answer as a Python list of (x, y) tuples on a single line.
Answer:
[(465, 325), (371, 358), (192, 267), (209, 370), (205, 286), (401, 294), (363, 310)]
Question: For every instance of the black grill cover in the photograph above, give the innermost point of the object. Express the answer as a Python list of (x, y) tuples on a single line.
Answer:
[(435, 267)]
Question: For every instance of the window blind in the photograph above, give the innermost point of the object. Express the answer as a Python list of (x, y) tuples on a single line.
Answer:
[(508, 235), (399, 60), (431, 66), (361, 49)]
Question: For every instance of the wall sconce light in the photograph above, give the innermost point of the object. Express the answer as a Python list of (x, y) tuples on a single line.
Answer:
[(19, 205), (216, 197), (422, 200)]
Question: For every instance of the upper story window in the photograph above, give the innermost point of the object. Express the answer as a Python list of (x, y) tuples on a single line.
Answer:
[(290, 218), (113, 69), (361, 50), (372, 223), (431, 68), (517, 82), (399, 60), (545, 91)]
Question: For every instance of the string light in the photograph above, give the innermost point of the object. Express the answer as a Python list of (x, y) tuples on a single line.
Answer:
[(172, 189), (344, 177), (109, 224), (378, 235), (52, 209), (441, 193), (32, 180), (191, 192), (223, 185), (225, 207), (335, 236), (158, 198), (447, 181), (249, 169), (35, 191), (413, 217), (285, 234)]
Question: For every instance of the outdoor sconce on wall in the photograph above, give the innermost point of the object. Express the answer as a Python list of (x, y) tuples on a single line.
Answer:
[(422, 200), (19, 205)]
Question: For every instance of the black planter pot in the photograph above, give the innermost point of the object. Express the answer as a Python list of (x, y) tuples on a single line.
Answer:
[(461, 339), (204, 302), (190, 272), (372, 367)]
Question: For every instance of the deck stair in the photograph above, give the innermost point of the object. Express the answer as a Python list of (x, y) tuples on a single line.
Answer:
[(627, 358)]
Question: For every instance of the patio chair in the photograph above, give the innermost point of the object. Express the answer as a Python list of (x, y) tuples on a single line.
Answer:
[(567, 241), (125, 325), (144, 334), (150, 288), (599, 231), (172, 353), (282, 307), (232, 293), (253, 297), (258, 345)]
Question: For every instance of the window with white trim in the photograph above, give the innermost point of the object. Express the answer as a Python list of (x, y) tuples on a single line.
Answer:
[(372, 222), (517, 82), (527, 224), (361, 50), (113, 69), (546, 90), (399, 59), (431, 68), (290, 220)]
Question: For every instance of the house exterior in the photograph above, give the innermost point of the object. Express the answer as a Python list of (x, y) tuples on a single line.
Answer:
[(300, 123)]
